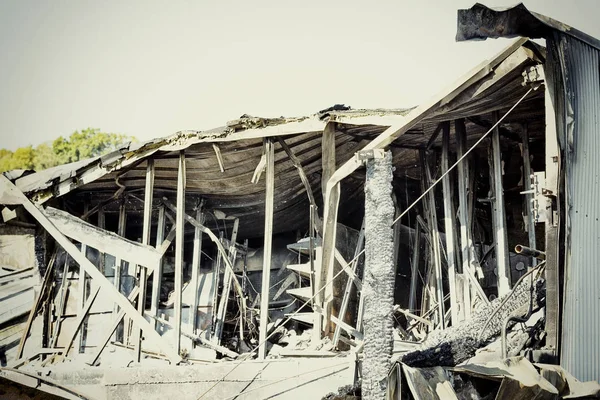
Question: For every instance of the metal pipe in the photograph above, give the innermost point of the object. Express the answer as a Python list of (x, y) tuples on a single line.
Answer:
[(529, 252)]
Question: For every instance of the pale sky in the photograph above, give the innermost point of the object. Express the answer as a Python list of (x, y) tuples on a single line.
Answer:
[(152, 68)]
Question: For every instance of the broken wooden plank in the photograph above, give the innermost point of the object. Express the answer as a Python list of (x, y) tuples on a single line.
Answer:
[(268, 242), (104, 241), (105, 284), (219, 157)]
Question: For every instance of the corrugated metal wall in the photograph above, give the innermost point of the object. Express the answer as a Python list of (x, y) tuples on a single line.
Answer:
[(580, 347)]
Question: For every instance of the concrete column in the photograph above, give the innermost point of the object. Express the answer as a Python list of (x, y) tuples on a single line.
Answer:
[(378, 284)]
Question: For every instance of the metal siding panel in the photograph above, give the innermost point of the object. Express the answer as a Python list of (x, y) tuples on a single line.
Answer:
[(581, 318)]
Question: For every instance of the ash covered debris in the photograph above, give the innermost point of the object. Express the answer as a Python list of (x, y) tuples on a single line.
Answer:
[(458, 343)]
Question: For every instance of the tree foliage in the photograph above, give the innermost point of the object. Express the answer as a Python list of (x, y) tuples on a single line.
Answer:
[(79, 145)]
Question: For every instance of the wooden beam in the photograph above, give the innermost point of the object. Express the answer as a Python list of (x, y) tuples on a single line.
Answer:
[(219, 157), (463, 213), (266, 272), (106, 337), (414, 268), (529, 217), (435, 240), (434, 135), (46, 285), (102, 225), (121, 229), (298, 165), (217, 242), (146, 228), (79, 322), (102, 240), (105, 284), (456, 304), (157, 278), (500, 234), (327, 154), (227, 279), (196, 257), (330, 217), (179, 240), (346, 297)]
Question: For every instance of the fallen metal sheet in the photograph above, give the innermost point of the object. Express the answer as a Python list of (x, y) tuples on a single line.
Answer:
[(429, 383), (568, 386), (519, 379)]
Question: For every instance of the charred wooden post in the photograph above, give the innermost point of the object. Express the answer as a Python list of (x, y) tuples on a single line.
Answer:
[(146, 227), (328, 163), (437, 293), (179, 239), (499, 218), (157, 277), (414, 268), (378, 287), (529, 216), (266, 271), (464, 217), (456, 304)]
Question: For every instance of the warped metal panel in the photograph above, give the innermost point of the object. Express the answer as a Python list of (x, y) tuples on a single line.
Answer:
[(581, 316)]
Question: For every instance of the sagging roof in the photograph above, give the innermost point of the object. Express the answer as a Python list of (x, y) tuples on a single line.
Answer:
[(221, 162)]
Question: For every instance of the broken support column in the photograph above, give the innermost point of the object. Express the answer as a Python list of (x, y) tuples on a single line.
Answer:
[(378, 285)]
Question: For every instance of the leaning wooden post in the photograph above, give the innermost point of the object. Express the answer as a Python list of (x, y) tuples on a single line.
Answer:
[(456, 312), (266, 271), (500, 238), (179, 222), (378, 284), (146, 227), (157, 277), (196, 257)]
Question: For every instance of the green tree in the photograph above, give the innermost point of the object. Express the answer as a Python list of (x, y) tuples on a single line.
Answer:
[(86, 143), (44, 157), (80, 145)]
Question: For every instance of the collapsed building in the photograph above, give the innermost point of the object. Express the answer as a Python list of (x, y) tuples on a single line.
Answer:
[(440, 251)]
